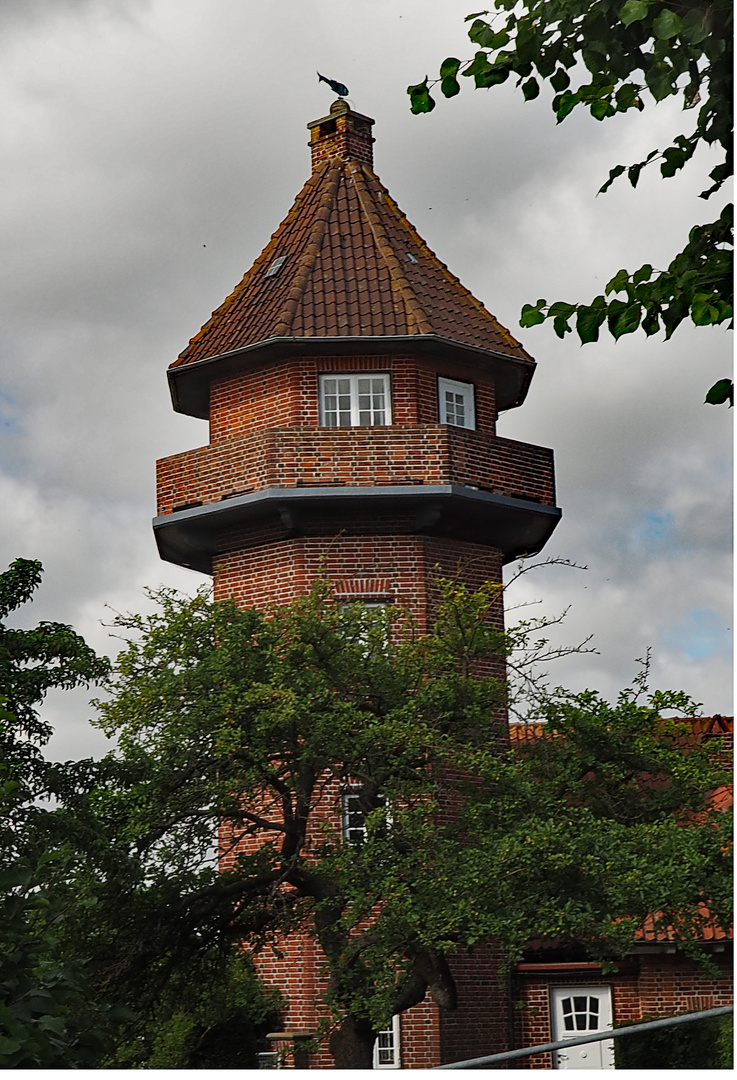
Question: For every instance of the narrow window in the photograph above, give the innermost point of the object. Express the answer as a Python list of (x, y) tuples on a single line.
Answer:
[(355, 400), (354, 818), (456, 404), (386, 1047)]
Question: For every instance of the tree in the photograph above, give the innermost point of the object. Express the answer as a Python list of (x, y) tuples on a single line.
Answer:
[(48, 1016), (60, 1007), (245, 727), (610, 56)]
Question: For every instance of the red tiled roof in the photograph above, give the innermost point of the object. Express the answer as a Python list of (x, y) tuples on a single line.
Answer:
[(354, 266)]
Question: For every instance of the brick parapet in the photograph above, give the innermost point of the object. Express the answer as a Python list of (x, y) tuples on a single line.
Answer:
[(370, 456)]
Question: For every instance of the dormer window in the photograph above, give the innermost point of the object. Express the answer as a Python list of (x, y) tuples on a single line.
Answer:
[(355, 400), (275, 266), (456, 403)]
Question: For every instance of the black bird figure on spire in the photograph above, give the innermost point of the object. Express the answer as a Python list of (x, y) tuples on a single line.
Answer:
[(337, 87)]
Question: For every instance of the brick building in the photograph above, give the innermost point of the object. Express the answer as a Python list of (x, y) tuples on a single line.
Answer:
[(352, 387)]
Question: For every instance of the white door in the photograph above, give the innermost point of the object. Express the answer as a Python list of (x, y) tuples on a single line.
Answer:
[(582, 1010)]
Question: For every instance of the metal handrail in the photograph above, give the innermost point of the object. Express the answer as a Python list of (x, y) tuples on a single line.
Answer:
[(615, 1033)]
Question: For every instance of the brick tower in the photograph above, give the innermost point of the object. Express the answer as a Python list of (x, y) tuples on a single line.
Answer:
[(352, 386)]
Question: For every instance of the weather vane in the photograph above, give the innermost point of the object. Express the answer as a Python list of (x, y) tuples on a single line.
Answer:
[(337, 87)]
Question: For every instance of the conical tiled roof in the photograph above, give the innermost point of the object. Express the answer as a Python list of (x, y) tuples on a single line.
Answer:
[(353, 266)]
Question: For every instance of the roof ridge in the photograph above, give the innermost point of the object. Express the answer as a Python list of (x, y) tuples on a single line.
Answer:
[(415, 313), (310, 253), (443, 267)]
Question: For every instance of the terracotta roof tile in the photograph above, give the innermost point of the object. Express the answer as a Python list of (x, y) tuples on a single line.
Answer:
[(347, 273)]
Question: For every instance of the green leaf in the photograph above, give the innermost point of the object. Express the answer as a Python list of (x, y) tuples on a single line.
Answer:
[(566, 104), (450, 86), (479, 63), (643, 274), (666, 25), (613, 174), (560, 307), (628, 96), (625, 322), (660, 79), (527, 40), (618, 283), (531, 89), (449, 66), (633, 173), (420, 100), (721, 391), (703, 310), (651, 323), (600, 110), (531, 314), (560, 325), (633, 11), (588, 321), (694, 27), (561, 80), (482, 34)]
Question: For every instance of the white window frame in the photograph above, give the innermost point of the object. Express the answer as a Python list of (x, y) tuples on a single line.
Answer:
[(359, 830), (391, 1037), (353, 394), (464, 390)]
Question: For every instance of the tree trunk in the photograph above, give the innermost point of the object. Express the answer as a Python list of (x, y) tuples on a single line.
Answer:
[(352, 1044)]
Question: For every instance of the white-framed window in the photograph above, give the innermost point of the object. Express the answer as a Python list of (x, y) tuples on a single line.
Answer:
[(354, 818), (355, 400), (456, 403), (386, 1047)]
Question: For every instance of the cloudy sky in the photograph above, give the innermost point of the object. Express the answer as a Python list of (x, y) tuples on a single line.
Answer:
[(148, 150)]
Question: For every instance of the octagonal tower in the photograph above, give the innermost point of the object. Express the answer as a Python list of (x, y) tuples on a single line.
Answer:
[(352, 386)]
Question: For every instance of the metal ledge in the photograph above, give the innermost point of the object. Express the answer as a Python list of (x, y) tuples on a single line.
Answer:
[(517, 527), (189, 384)]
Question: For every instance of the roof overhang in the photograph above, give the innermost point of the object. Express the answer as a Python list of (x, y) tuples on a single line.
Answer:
[(189, 384), (514, 526)]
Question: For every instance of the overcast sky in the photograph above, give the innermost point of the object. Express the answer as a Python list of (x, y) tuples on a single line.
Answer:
[(149, 148)]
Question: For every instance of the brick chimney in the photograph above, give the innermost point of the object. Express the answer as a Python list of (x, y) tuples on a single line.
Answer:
[(342, 134)]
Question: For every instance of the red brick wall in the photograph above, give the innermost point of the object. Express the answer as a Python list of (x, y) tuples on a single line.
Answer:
[(286, 393), (656, 984), (257, 572)]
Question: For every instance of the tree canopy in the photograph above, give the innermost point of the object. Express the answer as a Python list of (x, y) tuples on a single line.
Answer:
[(133, 904), (251, 728), (611, 56), (48, 1018)]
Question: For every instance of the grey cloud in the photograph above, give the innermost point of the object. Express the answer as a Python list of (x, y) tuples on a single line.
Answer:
[(149, 151)]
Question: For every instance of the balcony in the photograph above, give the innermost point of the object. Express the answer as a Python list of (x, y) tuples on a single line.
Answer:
[(289, 458)]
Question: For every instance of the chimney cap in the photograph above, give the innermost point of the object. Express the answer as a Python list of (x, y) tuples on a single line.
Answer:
[(339, 108)]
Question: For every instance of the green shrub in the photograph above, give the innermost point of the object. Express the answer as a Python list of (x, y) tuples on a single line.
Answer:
[(703, 1044)]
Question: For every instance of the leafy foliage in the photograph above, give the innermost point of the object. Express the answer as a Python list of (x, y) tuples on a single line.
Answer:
[(252, 729), (609, 57), (48, 1015), (703, 1044)]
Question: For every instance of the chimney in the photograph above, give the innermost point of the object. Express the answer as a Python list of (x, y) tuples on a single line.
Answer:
[(341, 134)]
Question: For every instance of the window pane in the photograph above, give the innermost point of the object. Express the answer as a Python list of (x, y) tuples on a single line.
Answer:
[(456, 403), (371, 402), (355, 399)]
